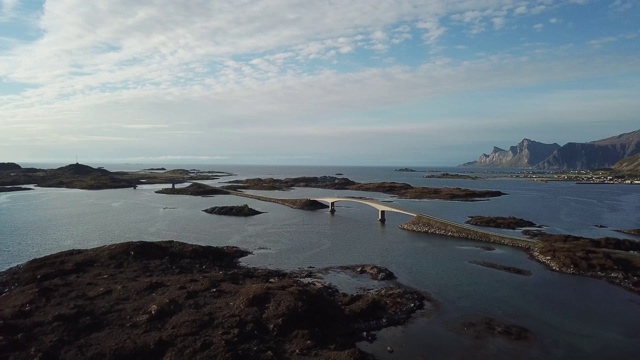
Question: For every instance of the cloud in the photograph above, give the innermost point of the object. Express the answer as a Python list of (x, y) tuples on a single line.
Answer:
[(204, 74), (8, 9)]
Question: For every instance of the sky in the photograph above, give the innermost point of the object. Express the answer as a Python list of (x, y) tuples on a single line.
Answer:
[(311, 82)]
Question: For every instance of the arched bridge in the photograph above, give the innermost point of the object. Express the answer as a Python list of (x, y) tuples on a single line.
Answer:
[(382, 208)]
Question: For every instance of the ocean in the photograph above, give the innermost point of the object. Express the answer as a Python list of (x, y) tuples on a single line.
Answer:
[(571, 316)]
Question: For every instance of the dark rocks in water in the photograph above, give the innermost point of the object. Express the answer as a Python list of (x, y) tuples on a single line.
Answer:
[(533, 234), (509, 269), (13, 188), (239, 210), (375, 272), (9, 166), (174, 300), (500, 222), (600, 226), (485, 327), (452, 176), (405, 170), (194, 189), (635, 232), (156, 169)]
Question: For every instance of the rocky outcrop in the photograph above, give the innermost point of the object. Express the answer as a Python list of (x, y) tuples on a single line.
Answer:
[(194, 189), (524, 155), (171, 300), (240, 210), (500, 222), (9, 166)]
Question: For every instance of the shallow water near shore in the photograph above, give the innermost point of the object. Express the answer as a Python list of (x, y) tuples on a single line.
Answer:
[(571, 316)]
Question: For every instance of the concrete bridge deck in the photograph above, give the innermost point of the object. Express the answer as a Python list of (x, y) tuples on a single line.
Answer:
[(432, 224)]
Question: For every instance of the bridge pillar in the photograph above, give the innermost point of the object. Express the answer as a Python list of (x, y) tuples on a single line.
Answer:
[(332, 207), (382, 216)]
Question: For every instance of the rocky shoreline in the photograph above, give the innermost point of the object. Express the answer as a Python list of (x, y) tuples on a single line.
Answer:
[(613, 260), (13, 188), (174, 300), (401, 190)]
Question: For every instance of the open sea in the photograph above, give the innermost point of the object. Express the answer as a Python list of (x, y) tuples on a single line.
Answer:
[(572, 317)]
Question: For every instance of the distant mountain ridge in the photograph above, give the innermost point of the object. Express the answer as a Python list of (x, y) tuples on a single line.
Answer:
[(572, 156), (526, 154)]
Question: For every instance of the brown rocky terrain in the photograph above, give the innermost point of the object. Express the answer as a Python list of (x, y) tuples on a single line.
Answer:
[(482, 328), (611, 259), (193, 189), (402, 190), (238, 210), (79, 176), (171, 300), (501, 222)]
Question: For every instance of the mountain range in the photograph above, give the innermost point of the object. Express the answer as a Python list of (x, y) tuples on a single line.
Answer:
[(572, 156)]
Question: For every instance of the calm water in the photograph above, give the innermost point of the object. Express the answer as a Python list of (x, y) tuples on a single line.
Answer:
[(572, 317)]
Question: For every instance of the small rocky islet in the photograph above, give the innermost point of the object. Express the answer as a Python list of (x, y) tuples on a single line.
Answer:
[(235, 210), (501, 222)]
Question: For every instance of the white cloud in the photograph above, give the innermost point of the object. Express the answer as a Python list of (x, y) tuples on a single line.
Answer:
[(7, 9), (214, 72)]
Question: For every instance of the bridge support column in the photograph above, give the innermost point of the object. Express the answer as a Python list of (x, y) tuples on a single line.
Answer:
[(332, 207), (382, 216)]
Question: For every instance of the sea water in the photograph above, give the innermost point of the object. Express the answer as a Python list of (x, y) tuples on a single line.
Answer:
[(571, 316)]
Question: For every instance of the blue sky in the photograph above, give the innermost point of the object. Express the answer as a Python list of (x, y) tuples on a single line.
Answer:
[(388, 82)]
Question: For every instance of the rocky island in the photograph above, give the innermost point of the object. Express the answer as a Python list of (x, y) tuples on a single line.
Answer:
[(447, 175), (402, 190), (175, 300), (501, 222), (239, 210), (193, 189)]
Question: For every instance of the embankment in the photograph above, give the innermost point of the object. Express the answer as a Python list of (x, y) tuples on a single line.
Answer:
[(431, 225)]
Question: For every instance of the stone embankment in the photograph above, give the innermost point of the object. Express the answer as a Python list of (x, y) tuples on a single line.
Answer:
[(427, 224), (300, 204)]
